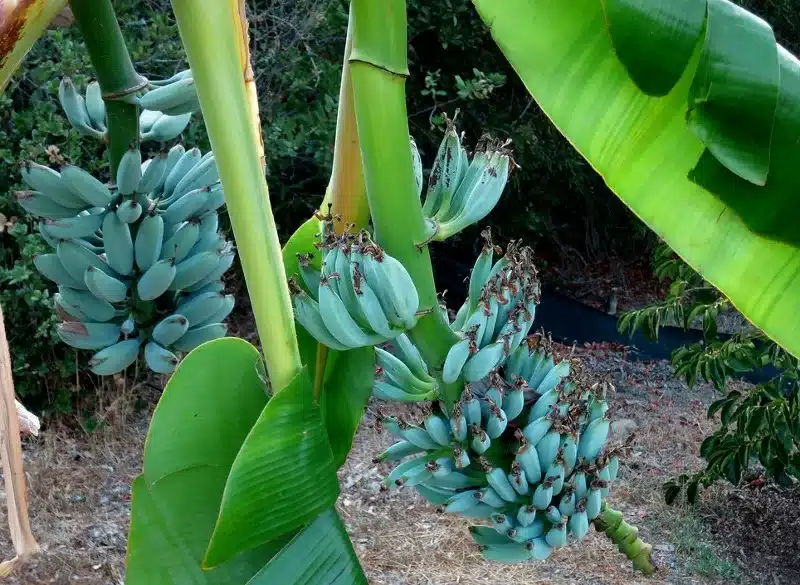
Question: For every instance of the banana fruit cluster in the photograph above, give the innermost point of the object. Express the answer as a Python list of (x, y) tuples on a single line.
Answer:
[(521, 451), (461, 191), (138, 263), (497, 315), (166, 109), (361, 297)]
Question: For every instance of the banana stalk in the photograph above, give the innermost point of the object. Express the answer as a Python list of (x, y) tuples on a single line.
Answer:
[(379, 69), (25, 545), (228, 114), (115, 73), (626, 538)]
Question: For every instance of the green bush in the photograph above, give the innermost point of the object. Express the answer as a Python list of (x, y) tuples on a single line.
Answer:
[(759, 426)]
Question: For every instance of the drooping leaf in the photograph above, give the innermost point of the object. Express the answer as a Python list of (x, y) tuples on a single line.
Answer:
[(21, 25), (320, 554), (282, 477), (740, 237), (208, 407), (302, 242), (349, 377)]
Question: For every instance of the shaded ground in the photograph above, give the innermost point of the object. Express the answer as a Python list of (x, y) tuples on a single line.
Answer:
[(79, 498)]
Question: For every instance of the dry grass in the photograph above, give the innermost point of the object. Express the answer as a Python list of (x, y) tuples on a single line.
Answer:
[(79, 498)]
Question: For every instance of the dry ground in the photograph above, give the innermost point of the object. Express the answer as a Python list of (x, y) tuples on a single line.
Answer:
[(79, 497)]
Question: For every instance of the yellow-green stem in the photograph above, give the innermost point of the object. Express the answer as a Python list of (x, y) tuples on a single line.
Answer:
[(626, 537), (219, 77), (379, 69)]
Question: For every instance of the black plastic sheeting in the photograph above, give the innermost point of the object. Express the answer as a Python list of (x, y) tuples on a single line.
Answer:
[(570, 321)]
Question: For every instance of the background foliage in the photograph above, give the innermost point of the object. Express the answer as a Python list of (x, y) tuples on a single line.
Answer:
[(556, 200)]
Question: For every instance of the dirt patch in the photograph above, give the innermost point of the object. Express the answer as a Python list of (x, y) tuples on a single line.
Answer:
[(80, 497)]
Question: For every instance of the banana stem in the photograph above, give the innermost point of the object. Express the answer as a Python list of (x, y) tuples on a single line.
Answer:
[(219, 73), (626, 537), (379, 69), (115, 73)]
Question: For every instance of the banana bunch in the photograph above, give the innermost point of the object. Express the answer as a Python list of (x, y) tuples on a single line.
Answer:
[(462, 191), (174, 96), (529, 458), (138, 263), (497, 315), (88, 115), (361, 297)]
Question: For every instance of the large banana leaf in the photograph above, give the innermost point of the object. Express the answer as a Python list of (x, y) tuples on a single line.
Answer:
[(22, 22), (690, 111)]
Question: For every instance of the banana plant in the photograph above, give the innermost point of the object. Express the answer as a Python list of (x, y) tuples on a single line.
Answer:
[(239, 475)]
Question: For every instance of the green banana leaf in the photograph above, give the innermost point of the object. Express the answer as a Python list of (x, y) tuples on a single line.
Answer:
[(21, 25), (690, 112)]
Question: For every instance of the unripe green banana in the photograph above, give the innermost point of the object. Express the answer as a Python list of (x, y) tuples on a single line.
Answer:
[(41, 205), (527, 533), (66, 311), (542, 369), (171, 329), (307, 313), (95, 106), (460, 481), (203, 174), (455, 360), (543, 494), (526, 515), (85, 186), (180, 244), (74, 107), (368, 303), (47, 181), (592, 439), (147, 118), (105, 287), (129, 171), (498, 480), (185, 74), (487, 359), (496, 422), (556, 473), (79, 226), (447, 173), (480, 440), (553, 377), (544, 405), (153, 173), (438, 429), (156, 280), (411, 357), (76, 258), (128, 326), (536, 430), (383, 390), (160, 360), (51, 268), (453, 205), (228, 302), (518, 479), (398, 451), (514, 402), (170, 96), (509, 554), (193, 269), (594, 500), (118, 244), (129, 211), (502, 523), (174, 156), (147, 248), (96, 309), (579, 483), (339, 322), (419, 437), (195, 337), (613, 468), (528, 460), (569, 450), (187, 206), (579, 524), (211, 242), (115, 358), (399, 374), (88, 335), (215, 200), (480, 272), (198, 309), (225, 259), (556, 537), (186, 163), (547, 449), (568, 500), (166, 127), (458, 424)]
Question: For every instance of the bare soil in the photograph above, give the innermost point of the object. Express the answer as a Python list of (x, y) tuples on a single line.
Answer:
[(79, 498)]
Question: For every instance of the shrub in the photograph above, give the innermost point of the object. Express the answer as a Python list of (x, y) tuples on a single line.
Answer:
[(759, 426)]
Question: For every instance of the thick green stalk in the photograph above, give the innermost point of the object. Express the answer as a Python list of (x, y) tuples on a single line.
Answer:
[(219, 76), (626, 537), (379, 69), (115, 73)]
